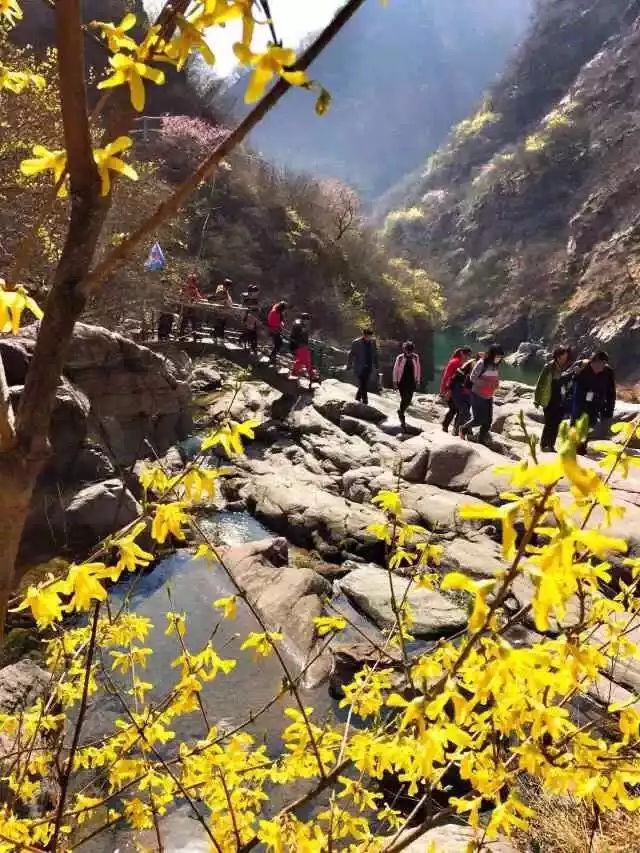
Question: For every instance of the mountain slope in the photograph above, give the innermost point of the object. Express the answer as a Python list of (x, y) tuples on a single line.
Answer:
[(529, 215), (399, 76)]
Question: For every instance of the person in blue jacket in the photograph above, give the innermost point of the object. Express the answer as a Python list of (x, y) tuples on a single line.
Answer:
[(594, 390)]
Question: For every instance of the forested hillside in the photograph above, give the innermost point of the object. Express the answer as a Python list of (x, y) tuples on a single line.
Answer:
[(297, 237), (528, 215), (400, 75)]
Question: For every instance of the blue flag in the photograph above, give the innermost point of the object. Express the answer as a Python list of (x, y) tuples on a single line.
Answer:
[(156, 259)]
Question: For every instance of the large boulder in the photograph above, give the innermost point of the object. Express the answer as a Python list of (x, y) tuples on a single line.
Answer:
[(362, 484), (15, 355), (76, 519), (437, 509), (333, 399), (415, 470), (452, 464), (433, 614), (296, 504), (287, 598), (479, 557), (138, 405)]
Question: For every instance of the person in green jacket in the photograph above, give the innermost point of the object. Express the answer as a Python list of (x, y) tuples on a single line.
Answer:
[(550, 397)]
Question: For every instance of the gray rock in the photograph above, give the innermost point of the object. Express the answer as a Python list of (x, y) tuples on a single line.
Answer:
[(295, 503), (207, 377), (137, 400), (362, 484), (15, 355), (433, 614), (453, 838), (453, 464), (438, 509), (21, 684), (479, 557), (415, 470), (287, 598), (333, 399), (76, 519), (90, 465)]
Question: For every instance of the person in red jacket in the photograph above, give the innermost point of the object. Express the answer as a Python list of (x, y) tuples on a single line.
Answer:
[(275, 325), (459, 357)]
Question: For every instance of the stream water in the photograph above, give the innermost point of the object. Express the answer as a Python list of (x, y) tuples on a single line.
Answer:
[(187, 585)]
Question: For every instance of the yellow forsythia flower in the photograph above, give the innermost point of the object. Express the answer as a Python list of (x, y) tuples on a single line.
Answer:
[(324, 624), (44, 160), (228, 605), (169, 519), (115, 35), (274, 61), (106, 160), (189, 39), (17, 81), (262, 644), (12, 304), (129, 70), (10, 9)]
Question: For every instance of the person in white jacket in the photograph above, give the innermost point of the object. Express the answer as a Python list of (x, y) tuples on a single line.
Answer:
[(406, 378)]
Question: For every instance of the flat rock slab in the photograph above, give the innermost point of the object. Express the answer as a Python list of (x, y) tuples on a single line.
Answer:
[(433, 614), (438, 509), (452, 838), (287, 598), (454, 463), (478, 557)]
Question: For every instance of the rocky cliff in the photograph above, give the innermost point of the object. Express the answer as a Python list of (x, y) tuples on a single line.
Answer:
[(117, 402), (399, 74), (528, 216)]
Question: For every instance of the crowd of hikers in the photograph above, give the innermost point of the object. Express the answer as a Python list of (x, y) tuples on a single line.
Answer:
[(251, 314), (566, 388)]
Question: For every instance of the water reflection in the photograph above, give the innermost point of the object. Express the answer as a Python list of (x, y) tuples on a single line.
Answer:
[(189, 586)]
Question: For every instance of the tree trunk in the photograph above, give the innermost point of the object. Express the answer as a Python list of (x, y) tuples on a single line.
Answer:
[(20, 465), (17, 479)]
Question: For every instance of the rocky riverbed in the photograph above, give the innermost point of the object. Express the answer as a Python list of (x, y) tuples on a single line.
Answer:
[(310, 476), (294, 534)]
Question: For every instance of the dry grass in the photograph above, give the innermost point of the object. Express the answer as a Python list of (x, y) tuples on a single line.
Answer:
[(563, 825)]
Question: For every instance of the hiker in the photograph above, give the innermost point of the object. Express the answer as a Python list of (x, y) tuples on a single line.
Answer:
[(550, 396), (250, 333), (275, 325), (406, 378), (299, 344), (460, 390), (594, 391), (458, 358), (363, 358), (251, 297), (223, 293), (484, 378), (190, 293), (165, 326), (223, 297)]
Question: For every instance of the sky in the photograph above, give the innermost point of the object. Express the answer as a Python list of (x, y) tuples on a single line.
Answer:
[(294, 20)]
